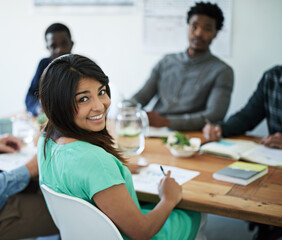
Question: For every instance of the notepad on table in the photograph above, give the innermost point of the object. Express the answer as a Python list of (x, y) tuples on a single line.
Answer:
[(10, 161), (147, 180), (241, 173), (244, 149)]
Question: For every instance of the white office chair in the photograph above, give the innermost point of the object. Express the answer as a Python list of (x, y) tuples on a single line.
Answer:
[(78, 219)]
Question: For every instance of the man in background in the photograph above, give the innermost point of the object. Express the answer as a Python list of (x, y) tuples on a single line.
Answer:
[(193, 85), (266, 102), (23, 213), (58, 42)]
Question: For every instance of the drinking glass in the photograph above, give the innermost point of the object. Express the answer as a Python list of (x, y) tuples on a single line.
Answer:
[(24, 127)]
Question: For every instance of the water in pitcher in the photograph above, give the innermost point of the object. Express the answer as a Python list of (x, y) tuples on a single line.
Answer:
[(131, 140)]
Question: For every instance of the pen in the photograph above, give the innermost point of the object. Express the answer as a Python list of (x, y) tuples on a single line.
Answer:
[(162, 170)]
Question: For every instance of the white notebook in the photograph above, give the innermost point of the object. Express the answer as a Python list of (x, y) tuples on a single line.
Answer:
[(244, 149)]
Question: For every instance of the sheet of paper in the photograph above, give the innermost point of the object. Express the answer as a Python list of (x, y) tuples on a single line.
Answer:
[(10, 161), (148, 178), (84, 7), (82, 2)]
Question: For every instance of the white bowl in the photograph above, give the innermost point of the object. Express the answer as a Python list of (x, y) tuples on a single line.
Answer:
[(181, 152), (187, 151)]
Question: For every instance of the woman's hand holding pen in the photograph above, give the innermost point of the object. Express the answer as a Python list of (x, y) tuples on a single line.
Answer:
[(212, 132), (170, 190)]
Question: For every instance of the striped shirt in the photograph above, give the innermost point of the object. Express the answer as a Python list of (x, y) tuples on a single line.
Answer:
[(266, 102)]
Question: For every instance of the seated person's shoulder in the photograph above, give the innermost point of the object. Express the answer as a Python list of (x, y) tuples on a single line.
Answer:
[(274, 73), (86, 147), (95, 157), (221, 65), (271, 79), (90, 150), (172, 59), (44, 62), (174, 56)]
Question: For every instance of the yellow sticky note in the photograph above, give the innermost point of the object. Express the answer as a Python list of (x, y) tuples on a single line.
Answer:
[(248, 166)]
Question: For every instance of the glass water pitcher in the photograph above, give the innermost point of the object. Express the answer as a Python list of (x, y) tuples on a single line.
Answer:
[(132, 125)]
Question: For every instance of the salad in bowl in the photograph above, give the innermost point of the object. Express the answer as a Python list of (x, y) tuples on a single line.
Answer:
[(180, 145)]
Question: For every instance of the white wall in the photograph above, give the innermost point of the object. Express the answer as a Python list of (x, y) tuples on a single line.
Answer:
[(115, 42)]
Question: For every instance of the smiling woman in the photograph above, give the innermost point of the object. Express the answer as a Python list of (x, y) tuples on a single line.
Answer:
[(77, 157), (61, 82)]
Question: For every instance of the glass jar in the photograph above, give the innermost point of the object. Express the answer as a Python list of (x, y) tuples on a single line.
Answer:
[(132, 125)]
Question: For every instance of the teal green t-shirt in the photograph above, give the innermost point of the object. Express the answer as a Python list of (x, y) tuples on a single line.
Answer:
[(80, 169)]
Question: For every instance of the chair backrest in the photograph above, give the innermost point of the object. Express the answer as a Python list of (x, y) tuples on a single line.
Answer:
[(78, 219)]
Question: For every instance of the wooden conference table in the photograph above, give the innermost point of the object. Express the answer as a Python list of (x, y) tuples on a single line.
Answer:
[(260, 201)]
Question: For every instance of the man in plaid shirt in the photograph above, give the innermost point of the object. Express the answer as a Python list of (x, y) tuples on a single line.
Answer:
[(266, 102)]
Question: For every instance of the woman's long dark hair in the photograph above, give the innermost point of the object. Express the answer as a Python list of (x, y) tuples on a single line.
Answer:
[(57, 94)]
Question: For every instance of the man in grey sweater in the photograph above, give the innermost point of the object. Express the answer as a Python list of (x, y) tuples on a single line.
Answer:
[(194, 85)]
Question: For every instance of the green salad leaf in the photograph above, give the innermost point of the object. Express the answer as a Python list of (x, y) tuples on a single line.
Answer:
[(178, 139), (182, 139)]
